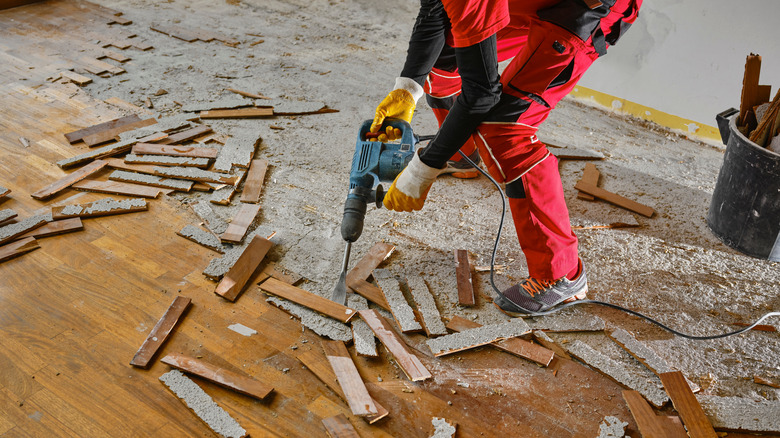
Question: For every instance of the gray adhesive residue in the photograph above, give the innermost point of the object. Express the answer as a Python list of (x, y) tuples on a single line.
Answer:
[(202, 237), (165, 124), (572, 321), (242, 329), (612, 427), (322, 325), (105, 206), (402, 312), (104, 151), (191, 173), (213, 222), (166, 160), (7, 213), (426, 306), (736, 413), (202, 404), (156, 181), (238, 150), (442, 429), (363, 336), (21, 227), (483, 335), (651, 390)]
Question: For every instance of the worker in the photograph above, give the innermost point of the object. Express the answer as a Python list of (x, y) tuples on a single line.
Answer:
[(453, 56)]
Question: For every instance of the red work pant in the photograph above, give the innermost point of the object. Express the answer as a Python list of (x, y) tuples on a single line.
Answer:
[(547, 61)]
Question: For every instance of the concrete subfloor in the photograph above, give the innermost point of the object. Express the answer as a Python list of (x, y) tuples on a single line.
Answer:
[(346, 54)]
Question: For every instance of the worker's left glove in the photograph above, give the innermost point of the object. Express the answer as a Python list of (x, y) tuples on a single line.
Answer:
[(411, 186), (399, 103)]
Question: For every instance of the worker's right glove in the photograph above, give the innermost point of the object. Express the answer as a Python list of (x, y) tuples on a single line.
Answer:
[(399, 103), (410, 188)]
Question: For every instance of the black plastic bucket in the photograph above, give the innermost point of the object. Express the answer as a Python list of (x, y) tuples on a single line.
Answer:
[(745, 208)]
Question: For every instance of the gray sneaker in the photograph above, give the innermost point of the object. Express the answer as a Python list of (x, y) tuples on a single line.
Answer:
[(534, 296), (462, 169)]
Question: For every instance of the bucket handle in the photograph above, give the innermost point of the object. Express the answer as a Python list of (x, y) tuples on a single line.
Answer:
[(723, 123)]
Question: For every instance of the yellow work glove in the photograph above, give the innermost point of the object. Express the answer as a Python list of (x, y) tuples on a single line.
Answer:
[(410, 188), (399, 103)]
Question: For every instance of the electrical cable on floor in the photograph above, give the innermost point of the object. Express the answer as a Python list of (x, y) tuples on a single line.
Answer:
[(580, 302)]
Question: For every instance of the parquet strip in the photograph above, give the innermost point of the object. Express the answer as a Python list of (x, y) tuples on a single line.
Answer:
[(151, 180), (247, 94), (117, 188), (110, 134), (339, 427), (160, 332), (590, 175), (240, 224), (55, 228), (165, 160), (240, 113), (174, 150), (646, 419), (463, 274), (195, 174), (72, 178), (237, 382), (615, 199), (103, 207), (349, 379), (369, 292), (478, 336), (308, 299), (186, 135), (14, 249), (253, 186), (11, 231), (236, 278), (75, 78), (370, 261), (517, 346), (691, 412), (7, 215), (409, 363), (79, 134)]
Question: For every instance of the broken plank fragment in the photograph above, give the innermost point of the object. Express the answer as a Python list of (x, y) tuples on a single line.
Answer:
[(236, 278), (378, 253), (110, 134), (237, 151), (477, 337), (369, 292), (426, 305), (105, 151), (402, 312), (749, 90), (200, 403), (247, 94), (174, 150), (160, 332), (349, 379), (55, 228), (202, 237), (14, 249), (117, 188), (239, 113), (547, 342), (240, 383), (339, 427), (241, 222), (409, 363), (11, 231), (186, 135), (213, 222), (517, 346), (195, 174), (686, 404), (322, 325), (164, 160), (6, 215), (615, 199), (590, 175), (741, 414), (70, 179), (151, 180), (362, 336), (77, 135), (76, 78), (463, 274), (4, 191), (308, 299), (103, 207), (647, 421), (253, 186)]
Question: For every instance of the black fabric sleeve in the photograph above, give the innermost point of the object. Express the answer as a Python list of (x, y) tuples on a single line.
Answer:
[(427, 40)]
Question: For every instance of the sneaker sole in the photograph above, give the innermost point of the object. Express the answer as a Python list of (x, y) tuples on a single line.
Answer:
[(580, 296), (466, 175)]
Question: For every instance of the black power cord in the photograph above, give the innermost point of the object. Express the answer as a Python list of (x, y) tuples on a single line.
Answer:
[(580, 302)]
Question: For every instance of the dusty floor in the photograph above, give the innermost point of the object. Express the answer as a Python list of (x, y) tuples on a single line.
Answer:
[(346, 54)]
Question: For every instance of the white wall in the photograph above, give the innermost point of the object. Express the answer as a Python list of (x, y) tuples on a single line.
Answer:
[(687, 58)]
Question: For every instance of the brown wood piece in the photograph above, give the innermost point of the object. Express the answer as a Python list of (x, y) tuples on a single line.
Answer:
[(14, 249), (206, 176), (749, 88), (110, 134), (76, 78), (72, 178), (4, 192), (118, 163), (324, 110), (118, 188), (79, 134), (369, 292), (29, 224), (519, 347), (768, 124), (370, 261), (236, 278), (409, 363), (116, 56), (55, 228), (615, 199), (687, 406), (247, 94), (186, 135), (57, 212), (760, 327), (672, 426), (762, 381), (240, 383), (253, 186), (349, 379), (647, 421), (463, 274), (308, 299), (239, 113), (174, 151), (160, 332), (240, 223), (339, 427), (590, 176)]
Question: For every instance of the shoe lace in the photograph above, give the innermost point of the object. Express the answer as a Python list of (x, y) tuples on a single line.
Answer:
[(535, 286)]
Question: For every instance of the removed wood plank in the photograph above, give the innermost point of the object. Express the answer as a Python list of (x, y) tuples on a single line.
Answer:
[(151, 180), (349, 379), (590, 175), (55, 228), (6, 215), (517, 346), (741, 414), (237, 151), (75, 78), (768, 125), (160, 332), (253, 186), (240, 224), (426, 306), (760, 327), (477, 337), (247, 94), (116, 56), (174, 150), (572, 321), (186, 135), (322, 325), (749, 89), (213, 222), (4, 191), (70, 179), (195, 174), (615, 199), (105, 151), (362, 336), (204, 407), (14, 249), (239, 113), (117, 188), (77, 135), (646, 419), (236, 278), (378, 253), (463, 274), (409, 363), (762, 381), (110, 134), (202, 237), (443, 428), (11, 231), (369, 291), (402, 312), (339, 427), (547, 342), (224, 195), (175, 31), (308, 299), (103, 207), (687, 405), (164, 160), (673, 426), (240, 383), (323, 110)]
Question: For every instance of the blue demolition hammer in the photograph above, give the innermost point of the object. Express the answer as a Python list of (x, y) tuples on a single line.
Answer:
[(375, 162)]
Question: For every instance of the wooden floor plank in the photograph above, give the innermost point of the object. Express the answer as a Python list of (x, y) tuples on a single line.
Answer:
[(308, 299), (463, 275), (517, 346), (117, 188), (238, 276), (253, 186), (240, 224), (409, 363), (691, 413), (349, 379), (221, 376), (79, 134), (160, 332)]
